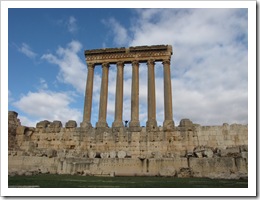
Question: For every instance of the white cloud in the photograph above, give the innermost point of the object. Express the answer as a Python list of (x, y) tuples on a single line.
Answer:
[(72, 69), (26, 50), (25, 121), (208, 67), (10, 98), (72, 25), (48, 105), (43, 84), (209, 63), (120, 36)]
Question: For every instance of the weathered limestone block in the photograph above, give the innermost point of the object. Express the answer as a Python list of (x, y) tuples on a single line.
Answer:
[(168, 125), (244, 155), (104, 155), (55, 124), (244, 148), (12, 172), (186, 123), (208, 152), (32, 146), (219, 167), (157, 155), (51, 153), (54, 127), (86, 172), (121, 154), (230, 152), (185, 173), (21, 172), (12, 115), (20, 130), (128, 154), (43, 124), (199, 154), (28, 173), (91, 154), (29, 131), (170, 171), (13, 123), (112, 154), (241, 165), (71, 124), (44, 170)]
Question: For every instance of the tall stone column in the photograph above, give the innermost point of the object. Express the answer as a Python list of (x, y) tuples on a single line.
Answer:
[(168, 123), (135, 123), (151, 124), (103, 97), (88, 97), (119, 96)]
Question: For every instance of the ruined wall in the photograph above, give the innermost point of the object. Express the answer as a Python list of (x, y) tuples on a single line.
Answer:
[(13, 123), (188, 150)]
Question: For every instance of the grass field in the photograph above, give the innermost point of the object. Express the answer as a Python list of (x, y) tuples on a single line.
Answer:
[(74, 181)]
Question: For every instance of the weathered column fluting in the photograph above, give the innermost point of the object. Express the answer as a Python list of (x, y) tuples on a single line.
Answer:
[(119, 96), (168, 117), (88, 97), (151, 124), (103, 97), (135, 123)]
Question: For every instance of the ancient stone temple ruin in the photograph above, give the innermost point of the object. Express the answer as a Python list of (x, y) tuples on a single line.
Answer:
[(184, 150), (133, 55)]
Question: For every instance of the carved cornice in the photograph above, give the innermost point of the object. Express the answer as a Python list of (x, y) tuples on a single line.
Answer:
[(127, 55)]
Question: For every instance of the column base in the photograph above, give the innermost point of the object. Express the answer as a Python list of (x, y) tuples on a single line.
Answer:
[(168, 125), (117, 124), (134, 126), (85, 125), (151, 125), (101, 124)]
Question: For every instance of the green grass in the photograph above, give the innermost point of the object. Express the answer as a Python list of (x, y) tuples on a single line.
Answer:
[(74, 181)]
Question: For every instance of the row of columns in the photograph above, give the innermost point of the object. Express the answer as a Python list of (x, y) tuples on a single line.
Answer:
[(151, 123)]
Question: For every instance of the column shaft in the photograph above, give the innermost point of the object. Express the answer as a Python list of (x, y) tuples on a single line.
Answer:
[(151, 124), (168, 117), (88, 97), (103, 97), (119, 96), (135, 96)]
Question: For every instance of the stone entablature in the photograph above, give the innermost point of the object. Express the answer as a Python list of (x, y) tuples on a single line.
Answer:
[(128, 55)]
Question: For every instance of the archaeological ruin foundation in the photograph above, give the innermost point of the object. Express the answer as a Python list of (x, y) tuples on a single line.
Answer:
[(183, 150)]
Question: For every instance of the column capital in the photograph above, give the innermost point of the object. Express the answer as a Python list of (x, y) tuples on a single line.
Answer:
[(166, 62), (120, 63), (106, 64), (91, 65), (135, 62), (151, 62)]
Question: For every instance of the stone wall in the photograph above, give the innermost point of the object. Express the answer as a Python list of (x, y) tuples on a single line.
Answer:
[(187, 150), (13, 123)]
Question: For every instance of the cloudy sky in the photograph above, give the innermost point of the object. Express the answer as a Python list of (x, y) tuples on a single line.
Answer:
[(209, 66)]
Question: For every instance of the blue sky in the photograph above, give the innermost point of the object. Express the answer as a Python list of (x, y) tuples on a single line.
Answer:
[(209, 67)]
